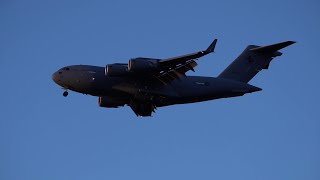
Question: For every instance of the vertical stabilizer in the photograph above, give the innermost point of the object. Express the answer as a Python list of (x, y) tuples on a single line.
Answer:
[(252, 60)]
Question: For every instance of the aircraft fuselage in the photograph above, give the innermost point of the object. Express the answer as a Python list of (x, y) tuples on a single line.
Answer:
[(92, 80), (147, 83)]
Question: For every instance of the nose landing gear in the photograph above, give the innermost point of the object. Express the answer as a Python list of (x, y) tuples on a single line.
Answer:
[(65, 94)]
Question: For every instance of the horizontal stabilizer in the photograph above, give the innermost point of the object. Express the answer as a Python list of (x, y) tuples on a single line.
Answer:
[(272, 48)]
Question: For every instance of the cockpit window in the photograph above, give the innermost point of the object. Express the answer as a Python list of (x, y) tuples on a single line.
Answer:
[(67, 69)]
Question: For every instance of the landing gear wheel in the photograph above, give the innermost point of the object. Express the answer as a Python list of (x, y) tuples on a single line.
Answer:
[(65, 94)]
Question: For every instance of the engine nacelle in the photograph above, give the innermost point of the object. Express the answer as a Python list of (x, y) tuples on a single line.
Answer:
[(111, 102), (142, 65), (113, 70)]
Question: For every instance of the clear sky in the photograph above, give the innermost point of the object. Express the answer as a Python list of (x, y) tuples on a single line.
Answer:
[(272, 134)]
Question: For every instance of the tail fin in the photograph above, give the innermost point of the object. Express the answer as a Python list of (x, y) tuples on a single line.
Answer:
[(252, 60)]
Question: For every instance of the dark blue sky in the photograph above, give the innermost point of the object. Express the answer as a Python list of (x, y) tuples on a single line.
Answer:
[(272, 134)]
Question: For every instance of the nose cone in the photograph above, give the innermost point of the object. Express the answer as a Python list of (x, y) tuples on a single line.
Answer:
[(55, 77)]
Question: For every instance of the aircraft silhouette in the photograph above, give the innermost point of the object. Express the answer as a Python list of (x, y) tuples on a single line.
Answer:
[(147, 83)]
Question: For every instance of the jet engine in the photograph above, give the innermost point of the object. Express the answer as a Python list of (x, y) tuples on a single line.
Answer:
[(141, 65), (113, 70), (111, 102)]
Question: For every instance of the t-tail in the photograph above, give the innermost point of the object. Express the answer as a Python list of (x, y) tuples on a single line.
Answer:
[(252, 60)]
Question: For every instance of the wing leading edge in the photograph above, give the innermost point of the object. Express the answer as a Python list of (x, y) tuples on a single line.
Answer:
[(184, 58)]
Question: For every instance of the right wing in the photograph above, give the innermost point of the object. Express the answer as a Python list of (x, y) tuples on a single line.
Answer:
[(174, 61), (180, 71), (165, 71), (176, 67)]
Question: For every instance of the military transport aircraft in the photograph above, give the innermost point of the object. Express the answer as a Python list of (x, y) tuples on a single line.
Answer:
[(147, 83)]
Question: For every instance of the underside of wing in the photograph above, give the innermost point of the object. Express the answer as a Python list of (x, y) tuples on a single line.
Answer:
[(142, 109), (176, 73)]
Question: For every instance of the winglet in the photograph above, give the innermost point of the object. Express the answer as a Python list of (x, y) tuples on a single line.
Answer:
[(210, 49)]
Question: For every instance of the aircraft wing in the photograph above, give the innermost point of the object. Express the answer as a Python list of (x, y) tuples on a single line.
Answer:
[(175, 73), (169, 62), (176, 67)]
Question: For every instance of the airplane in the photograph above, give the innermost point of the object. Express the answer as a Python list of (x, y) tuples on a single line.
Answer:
[(145, 84)]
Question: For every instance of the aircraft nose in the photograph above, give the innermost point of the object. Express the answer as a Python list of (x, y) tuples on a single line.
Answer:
[(55, 77)]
